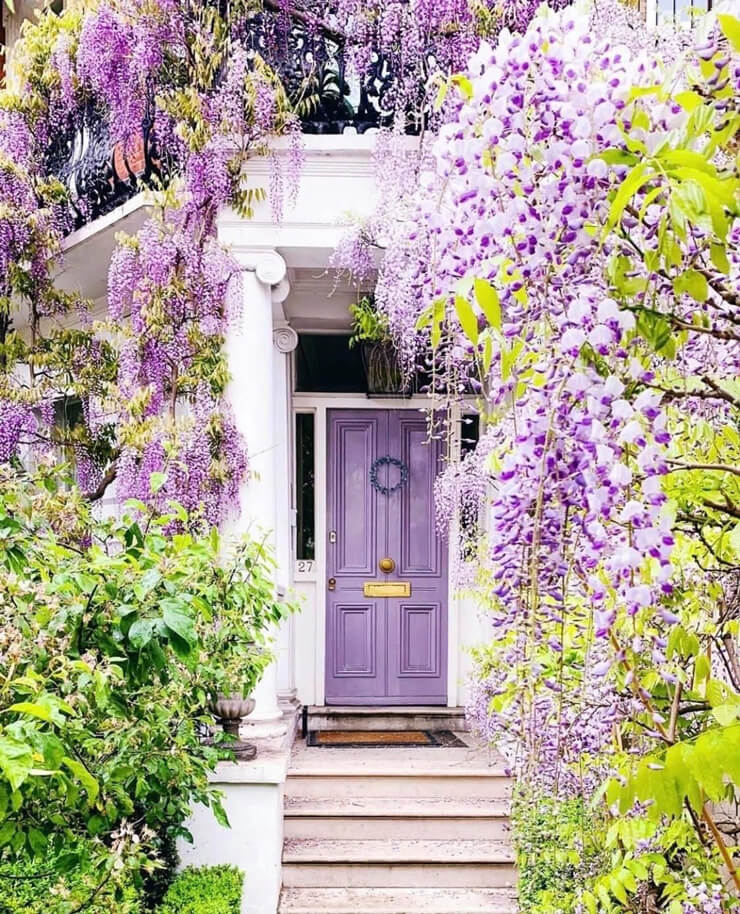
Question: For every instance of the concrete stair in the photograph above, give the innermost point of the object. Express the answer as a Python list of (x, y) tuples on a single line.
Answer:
[(335, 717), (397, 831), (397, 901)]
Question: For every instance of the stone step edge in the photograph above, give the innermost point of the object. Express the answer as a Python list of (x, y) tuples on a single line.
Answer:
[(407, 772), (397, 901), (399, 853), (391, 808), (386, 711)]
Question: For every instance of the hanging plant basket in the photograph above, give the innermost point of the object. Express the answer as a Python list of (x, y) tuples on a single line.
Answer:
[(383, 371)]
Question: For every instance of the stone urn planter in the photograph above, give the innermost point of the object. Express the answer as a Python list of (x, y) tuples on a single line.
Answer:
[(230, 711)]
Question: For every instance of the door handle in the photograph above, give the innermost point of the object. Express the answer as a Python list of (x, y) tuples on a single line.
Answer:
[(386, 565), (332, 584)]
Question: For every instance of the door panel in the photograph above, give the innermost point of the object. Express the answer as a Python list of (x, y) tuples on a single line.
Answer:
[(356, 440), (356, 650), (384, 650)]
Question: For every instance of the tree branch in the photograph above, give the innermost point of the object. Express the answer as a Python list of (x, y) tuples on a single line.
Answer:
[(99, 492), (728, 508), (719, 467)]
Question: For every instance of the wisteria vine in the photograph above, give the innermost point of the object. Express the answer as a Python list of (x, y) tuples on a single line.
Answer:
[(570, 258), (151, 377)]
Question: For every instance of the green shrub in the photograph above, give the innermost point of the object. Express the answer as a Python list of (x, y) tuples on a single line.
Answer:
[(559, 843), (115, 634), (206, 890), (37, 887)]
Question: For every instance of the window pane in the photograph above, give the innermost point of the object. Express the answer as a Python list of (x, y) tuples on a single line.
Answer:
[(469, 433), (305, 525), (327, 364)]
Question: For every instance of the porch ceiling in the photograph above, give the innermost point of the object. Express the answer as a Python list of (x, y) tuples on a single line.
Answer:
[(318, 301)]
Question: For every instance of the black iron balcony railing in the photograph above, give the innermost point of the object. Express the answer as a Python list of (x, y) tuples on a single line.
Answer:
[(313, 67)]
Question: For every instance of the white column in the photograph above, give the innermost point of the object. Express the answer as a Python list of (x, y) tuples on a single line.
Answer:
[(249, 348), (285, 341)]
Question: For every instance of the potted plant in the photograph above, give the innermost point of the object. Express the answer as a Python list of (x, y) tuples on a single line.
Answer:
[(236, 640), (380, 360)]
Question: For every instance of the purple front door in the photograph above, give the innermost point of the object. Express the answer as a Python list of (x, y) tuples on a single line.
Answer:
[(381, 649)]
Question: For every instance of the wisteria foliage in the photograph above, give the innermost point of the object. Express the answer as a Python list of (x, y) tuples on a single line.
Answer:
[(571, 258), (151, 377)]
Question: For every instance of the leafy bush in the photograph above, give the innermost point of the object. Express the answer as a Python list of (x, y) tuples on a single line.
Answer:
[(559, 844), (37, 887), (114, 636), (206, 890)]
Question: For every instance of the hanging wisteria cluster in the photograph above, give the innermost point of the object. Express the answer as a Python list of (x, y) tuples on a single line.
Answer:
[(571, 259), (151, 378)]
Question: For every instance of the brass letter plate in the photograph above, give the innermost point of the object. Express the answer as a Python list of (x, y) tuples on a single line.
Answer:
[(387, 588)]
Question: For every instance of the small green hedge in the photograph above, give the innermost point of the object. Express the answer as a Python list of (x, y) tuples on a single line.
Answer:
[(33, 888), (205, 890)]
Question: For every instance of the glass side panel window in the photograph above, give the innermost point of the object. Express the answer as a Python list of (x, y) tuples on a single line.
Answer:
[(469, 510), (305, 487)]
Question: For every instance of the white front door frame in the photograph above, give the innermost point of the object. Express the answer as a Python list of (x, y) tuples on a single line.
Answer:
[(318, 404)]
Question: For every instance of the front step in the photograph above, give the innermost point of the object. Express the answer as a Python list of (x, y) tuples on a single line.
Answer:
[(405, 817), (397, 901), (335, 717), (397, 831), (484, 783)]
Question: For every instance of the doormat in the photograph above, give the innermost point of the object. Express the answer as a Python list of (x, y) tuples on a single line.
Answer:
[(376, 739)]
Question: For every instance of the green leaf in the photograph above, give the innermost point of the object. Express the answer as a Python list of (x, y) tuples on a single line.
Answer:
[(37, 842), (178, 619), (147, 582), (467, 318), (726, 714), (627, 189), (693, 282), (27, 707), (689, 100), (731, 28), (16, 761), (718, 256), (7, 830), (220, 813), (490, 304), (463, 84), (79, 771), (156, 481), (438, 316)]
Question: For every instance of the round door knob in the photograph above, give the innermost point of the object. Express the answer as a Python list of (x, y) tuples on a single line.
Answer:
[(386, 565)]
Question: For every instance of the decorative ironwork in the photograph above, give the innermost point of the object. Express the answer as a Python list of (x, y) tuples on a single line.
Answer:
[(98, 173), (101, 175), (313, 69), (388, 461)]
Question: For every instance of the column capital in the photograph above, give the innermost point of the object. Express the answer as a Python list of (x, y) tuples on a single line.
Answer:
[(265, 263), (285, 339)]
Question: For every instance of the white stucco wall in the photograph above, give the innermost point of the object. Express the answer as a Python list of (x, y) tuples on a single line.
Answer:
[(253, 800)]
